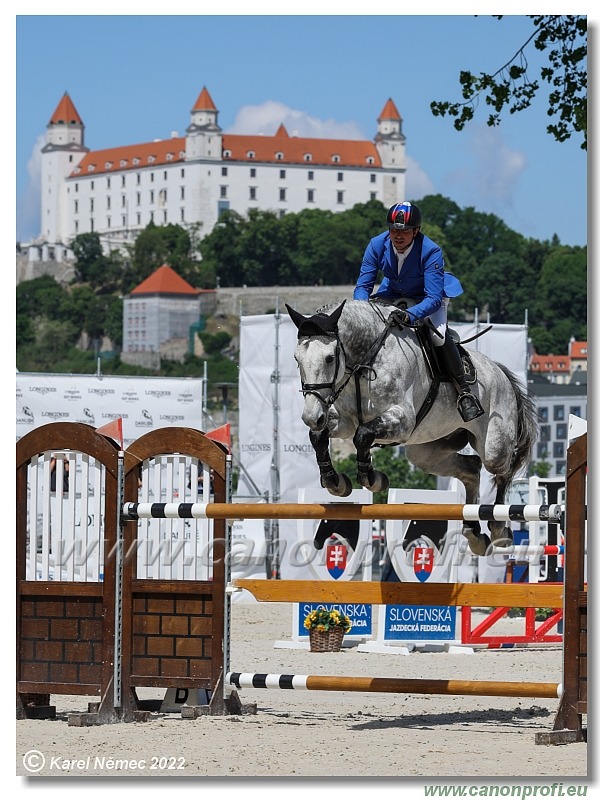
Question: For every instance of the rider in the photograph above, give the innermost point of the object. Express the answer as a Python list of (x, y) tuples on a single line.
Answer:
[(413, 268)]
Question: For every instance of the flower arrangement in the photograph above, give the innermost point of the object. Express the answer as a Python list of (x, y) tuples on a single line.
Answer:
[(322, 620)]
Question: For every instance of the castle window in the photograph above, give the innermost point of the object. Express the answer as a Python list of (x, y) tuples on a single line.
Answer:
[(150, 159), (253, 172), (282, 174), (340, 197), (340, 176), (282, 193), (90, 167), (252, 193), (123, 180), (308, 156), (335, 159), (108, 164), (370, 160), (223, 191), (310, 196), (225, 171), (169, 156), (123, 162), (136, 161), (251, 154), (372, 177), (279, 156), (226, 153)]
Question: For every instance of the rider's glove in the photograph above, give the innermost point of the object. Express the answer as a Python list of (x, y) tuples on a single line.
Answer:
[(404, 317)]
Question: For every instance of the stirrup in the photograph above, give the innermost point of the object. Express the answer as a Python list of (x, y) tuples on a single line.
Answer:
[(469, 407)]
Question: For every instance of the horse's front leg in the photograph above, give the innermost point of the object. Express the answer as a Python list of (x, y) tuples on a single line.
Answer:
[(336, 484), (367, 476)]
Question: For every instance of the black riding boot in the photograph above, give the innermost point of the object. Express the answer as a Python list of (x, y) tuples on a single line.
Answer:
[(467, 405)]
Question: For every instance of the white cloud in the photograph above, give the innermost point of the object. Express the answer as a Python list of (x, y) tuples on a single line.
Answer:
[(29, 201), (266, 118), (418, 183), (489, 179)]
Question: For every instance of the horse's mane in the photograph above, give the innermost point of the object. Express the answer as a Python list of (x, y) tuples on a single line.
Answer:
[(361, 323)]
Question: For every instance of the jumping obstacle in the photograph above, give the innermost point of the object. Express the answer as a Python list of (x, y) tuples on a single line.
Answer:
[(573, 596), (126, 608), (417, 511), (333, 683)]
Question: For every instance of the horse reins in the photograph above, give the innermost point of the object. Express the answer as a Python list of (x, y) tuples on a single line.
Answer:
[(369, 358)]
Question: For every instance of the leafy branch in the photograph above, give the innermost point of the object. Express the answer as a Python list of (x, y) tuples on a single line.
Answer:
[(565, 40)]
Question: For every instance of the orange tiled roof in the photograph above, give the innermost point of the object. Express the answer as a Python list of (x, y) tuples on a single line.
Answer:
[(66, 112), (294, 150), (164, 281), (204, 102), (550, 363), (578, 350), (390, 111), (132, 156), (300, 150)]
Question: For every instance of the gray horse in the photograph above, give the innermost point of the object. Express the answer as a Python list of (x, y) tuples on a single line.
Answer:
[(366, 378)]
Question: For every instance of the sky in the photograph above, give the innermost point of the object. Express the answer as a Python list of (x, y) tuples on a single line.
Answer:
[(134, 78)]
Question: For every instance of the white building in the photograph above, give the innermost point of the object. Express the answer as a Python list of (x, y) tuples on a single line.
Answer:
[(189, 180), (161, 317)]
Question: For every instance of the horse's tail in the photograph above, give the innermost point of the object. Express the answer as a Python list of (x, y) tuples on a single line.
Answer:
[(527, 428)]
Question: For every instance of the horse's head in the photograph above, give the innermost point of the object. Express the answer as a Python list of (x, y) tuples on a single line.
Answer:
[(321, 362)]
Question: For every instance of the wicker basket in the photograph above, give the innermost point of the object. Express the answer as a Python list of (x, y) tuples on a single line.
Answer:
[(326, 641)]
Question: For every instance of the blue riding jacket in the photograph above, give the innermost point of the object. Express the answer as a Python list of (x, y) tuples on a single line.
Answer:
[(422, 276)]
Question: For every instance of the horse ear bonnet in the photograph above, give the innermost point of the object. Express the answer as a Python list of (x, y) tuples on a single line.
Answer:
[(318, 324)]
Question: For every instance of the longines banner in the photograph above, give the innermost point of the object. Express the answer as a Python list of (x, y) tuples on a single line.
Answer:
[(143, 404), (268, 401)]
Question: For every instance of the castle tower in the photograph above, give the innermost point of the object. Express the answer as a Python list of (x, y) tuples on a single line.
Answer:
[(204, 135), (390, 144), (62, 152)]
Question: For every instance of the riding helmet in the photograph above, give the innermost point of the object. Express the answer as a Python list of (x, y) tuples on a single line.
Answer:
[(403, 216)]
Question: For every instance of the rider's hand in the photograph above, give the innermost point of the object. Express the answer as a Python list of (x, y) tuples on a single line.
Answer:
[(404, 317)]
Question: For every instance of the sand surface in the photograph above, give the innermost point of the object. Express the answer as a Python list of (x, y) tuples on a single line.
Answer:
[(308, 733)]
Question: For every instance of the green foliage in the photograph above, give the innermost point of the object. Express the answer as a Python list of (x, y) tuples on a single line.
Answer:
[(92, 266), (539, 468), (502, 273), (324, 620), (564, 39), (396, 467), (214, 343)]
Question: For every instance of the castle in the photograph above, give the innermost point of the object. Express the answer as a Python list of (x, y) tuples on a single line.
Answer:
[(190, 180)]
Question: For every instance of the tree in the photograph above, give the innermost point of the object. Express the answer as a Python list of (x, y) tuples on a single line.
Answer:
[(396, 467), (92, 266), (564, 38)]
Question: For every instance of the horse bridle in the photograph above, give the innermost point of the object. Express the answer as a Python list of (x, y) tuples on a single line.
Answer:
[(313, 388), (326, 402)]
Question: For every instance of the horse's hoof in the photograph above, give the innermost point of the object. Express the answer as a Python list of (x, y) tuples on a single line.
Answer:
[(373, 480), (500, 536), (478, 542), (342, 488)]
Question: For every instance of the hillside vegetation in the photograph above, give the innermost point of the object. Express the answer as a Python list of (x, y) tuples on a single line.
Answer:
[(62, 328)]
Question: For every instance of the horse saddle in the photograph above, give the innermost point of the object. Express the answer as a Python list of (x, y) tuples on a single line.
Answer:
[(435, 358)]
